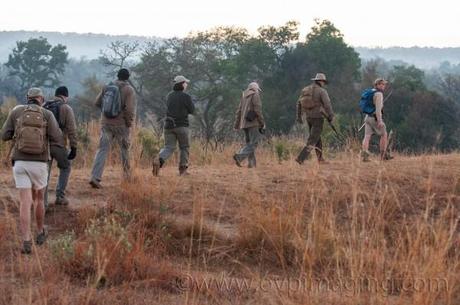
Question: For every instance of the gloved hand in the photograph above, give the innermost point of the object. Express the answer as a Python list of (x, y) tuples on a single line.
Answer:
[(72, 154)]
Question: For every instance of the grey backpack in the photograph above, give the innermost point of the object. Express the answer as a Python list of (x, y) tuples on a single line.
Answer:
[(111, 101)]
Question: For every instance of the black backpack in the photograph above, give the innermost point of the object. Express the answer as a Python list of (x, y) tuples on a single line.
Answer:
[(55, 107)]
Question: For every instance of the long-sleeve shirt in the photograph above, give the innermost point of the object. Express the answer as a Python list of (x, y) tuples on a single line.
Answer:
[(128, 106), (53, 133)]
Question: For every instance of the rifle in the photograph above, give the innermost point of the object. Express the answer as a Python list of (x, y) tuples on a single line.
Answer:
[(337, 134)]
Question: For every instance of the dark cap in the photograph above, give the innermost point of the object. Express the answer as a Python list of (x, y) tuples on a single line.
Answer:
[(123, 74), (62, 91)]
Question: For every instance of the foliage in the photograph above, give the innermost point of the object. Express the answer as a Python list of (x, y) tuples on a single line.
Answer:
[(36, 63)]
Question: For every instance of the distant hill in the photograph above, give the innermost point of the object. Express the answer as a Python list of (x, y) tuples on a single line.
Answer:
[(78, 45), (89, 46), (427, 57)]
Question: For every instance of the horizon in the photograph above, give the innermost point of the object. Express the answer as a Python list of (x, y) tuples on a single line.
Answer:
[(393, 23), (158, 37)]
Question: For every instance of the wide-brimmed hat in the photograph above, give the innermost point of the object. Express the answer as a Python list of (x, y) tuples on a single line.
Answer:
[(35, 92), (320, 76), (180, 79), (254, 86)]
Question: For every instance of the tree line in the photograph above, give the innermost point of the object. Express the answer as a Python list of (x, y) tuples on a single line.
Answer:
[(423, 107)]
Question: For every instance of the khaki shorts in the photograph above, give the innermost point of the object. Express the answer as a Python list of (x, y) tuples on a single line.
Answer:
[(30, 174), (371, 127)]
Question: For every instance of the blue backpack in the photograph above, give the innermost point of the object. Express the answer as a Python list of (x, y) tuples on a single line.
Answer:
[(366, 103)]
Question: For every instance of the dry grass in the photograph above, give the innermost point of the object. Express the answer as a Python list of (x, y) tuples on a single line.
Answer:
[(365, 232)]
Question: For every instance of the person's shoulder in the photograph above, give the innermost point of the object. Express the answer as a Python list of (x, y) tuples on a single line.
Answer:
[(378, 94), (47, 114)]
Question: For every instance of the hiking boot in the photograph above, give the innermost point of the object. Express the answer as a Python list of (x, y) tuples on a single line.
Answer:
[(183, 171), (26, 247), (41, 237), (365, 156), (95, 184), (299, 161), (387, 157), (61, 200), (237, 161)]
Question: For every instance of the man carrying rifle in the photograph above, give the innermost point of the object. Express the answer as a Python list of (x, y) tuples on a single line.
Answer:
[(315, 103)]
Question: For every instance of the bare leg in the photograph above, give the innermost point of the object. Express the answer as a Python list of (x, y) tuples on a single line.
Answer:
[(25, 197), (383, 145), (39, 208), (366, 141)]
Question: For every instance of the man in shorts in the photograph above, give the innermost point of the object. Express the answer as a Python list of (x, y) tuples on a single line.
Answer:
[(374, 124), (32, 128)]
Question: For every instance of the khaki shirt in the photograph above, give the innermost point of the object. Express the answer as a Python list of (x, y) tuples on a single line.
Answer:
[(53, 133), (321, 98), (250, 100)]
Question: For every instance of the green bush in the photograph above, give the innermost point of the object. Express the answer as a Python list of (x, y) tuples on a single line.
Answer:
[(149, 142)]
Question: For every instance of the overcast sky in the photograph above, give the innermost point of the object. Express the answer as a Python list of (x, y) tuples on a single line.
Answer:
[(364, 23)]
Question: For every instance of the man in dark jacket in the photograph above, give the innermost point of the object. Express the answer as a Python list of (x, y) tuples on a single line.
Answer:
[(314, 102), (115, 129), (66, 119), (33, 129), (176, 129)]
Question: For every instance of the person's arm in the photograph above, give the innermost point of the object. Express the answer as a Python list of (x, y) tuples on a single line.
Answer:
[(53, 131), (299, 112), (70, 125), (98, 101), (190, 106), (256, 101), (378, 102), (130, 107), (8, 128), (238, 115), (327, 106)]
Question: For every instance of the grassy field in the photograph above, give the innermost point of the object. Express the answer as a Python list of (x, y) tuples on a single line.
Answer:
[(343, 233)]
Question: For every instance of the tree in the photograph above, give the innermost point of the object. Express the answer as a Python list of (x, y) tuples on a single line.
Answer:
[(83, 104), (36, 63)]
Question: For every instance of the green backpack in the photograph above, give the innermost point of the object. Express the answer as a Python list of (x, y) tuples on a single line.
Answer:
[(30, 131)]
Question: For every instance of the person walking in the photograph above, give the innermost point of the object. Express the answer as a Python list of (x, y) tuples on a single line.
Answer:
[(117, 101), (250, 119), (32, 128), (65, 117), (373, 121), (176, 128), (315, 103)]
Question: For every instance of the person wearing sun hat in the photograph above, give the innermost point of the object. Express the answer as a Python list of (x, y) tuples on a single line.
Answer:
[(176, 128), (315, 104)]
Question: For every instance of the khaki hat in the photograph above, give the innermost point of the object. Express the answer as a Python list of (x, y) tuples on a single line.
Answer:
[(254, 86), (180, 79), (320, 76), (380, 80), (35, 92)]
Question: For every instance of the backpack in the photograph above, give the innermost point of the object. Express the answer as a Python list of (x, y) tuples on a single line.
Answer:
[(55, 108), (111, 101), (30, 132), (366, 103), (306, 98)]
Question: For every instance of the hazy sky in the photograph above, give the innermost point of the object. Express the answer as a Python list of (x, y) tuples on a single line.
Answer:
[(364, 23)]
